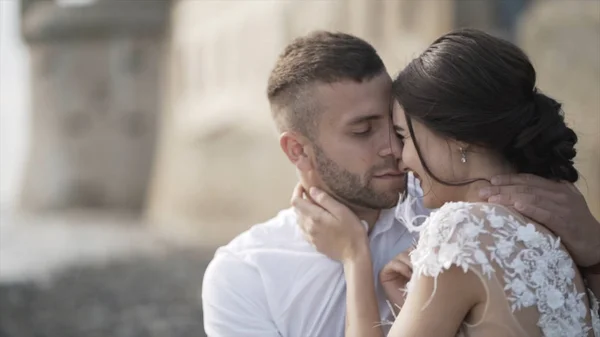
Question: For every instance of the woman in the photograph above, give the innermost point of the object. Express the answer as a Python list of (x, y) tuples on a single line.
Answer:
[(479, 269)]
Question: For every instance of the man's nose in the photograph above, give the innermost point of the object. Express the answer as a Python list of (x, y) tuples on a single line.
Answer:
[(392, 146)]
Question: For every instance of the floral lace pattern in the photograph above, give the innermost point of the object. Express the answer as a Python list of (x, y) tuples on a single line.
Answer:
[(537, 272)]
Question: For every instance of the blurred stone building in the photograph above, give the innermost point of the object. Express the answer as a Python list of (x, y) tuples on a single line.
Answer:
[(219, 167), (167, 111), (95, 69)]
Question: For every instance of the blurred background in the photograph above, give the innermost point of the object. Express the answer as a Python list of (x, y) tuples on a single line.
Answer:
[(136, 138)]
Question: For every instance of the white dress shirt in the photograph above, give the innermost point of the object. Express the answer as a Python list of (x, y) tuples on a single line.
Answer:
[(270, 282)]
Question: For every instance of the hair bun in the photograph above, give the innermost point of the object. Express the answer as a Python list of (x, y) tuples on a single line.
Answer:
[(545, 146)]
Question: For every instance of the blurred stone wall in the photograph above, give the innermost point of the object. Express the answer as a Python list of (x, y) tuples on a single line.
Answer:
[(562, 39), (95, 102), (219, 168), (108, 84)]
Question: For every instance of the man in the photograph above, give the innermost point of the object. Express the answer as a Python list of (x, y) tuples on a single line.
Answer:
[(330, 97)]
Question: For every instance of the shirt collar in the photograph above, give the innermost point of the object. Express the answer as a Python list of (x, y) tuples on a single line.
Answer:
[(385, 222), (396, 216)]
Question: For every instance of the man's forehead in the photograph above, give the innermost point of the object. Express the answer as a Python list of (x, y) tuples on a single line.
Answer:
[(350, 102)]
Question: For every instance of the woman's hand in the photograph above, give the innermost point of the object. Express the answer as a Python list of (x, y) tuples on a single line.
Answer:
[(394, 277), (331, 227)]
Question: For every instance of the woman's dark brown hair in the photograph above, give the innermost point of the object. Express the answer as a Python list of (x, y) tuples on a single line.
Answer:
[(472, 87)]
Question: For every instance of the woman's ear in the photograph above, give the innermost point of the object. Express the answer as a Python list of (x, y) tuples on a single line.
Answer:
[(298, 150), (460, 146)]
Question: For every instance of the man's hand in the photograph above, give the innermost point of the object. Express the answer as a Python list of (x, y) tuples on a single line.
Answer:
[(559, 206)]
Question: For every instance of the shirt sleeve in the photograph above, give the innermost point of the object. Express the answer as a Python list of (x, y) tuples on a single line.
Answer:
[(234, 300)]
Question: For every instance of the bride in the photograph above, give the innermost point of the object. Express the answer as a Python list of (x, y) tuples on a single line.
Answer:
[(478, 269)]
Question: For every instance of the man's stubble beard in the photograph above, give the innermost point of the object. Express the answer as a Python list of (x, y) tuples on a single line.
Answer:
[(350, 188)]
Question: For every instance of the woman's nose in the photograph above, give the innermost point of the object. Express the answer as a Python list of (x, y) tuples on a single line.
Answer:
[(402, 167)]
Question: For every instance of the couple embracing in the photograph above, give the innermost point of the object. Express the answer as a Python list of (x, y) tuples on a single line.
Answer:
[(439, 203)]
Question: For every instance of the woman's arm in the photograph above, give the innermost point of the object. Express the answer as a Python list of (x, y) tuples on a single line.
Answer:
[(432, 308), (336, 232), (362, 310), (438, 307)]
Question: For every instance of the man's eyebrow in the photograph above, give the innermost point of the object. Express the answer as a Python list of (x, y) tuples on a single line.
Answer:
[(362, 119)]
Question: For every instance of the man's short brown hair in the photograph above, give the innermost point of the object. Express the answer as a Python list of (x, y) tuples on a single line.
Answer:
[(319, 57)]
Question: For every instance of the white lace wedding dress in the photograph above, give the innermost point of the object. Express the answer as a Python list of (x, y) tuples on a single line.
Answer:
[(532, 283)]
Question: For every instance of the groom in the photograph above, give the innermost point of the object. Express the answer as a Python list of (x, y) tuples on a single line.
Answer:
[(330, 98)]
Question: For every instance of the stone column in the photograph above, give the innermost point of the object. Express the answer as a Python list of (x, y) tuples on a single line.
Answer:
[(95, 88), (562, 39), (219, 168)]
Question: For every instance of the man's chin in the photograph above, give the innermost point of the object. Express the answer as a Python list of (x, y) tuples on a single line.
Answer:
[(393, 201), (377, 201), (387, 199), (388, 195), (388, 191)]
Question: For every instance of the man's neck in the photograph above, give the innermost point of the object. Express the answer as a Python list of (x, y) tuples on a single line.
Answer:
[(368, 215), (364, 214)]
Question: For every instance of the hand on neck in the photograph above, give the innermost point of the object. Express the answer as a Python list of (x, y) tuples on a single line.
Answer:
[(363, 213)]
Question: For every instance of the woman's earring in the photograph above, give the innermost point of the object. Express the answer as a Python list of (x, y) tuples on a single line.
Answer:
[(463, 155)]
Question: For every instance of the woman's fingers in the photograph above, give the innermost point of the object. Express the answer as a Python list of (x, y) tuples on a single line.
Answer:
[(401, 268), (299, 192), (310, 217), (332, 206), (309, 210), (404, 258), (404, 266), (401, 264), (338, 236), (395, 270)]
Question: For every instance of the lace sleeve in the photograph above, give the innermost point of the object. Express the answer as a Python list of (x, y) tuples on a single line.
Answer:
[(530, 264), (595, 308), (455, 235)]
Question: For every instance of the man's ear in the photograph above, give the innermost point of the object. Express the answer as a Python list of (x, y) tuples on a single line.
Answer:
[(297, 148)]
